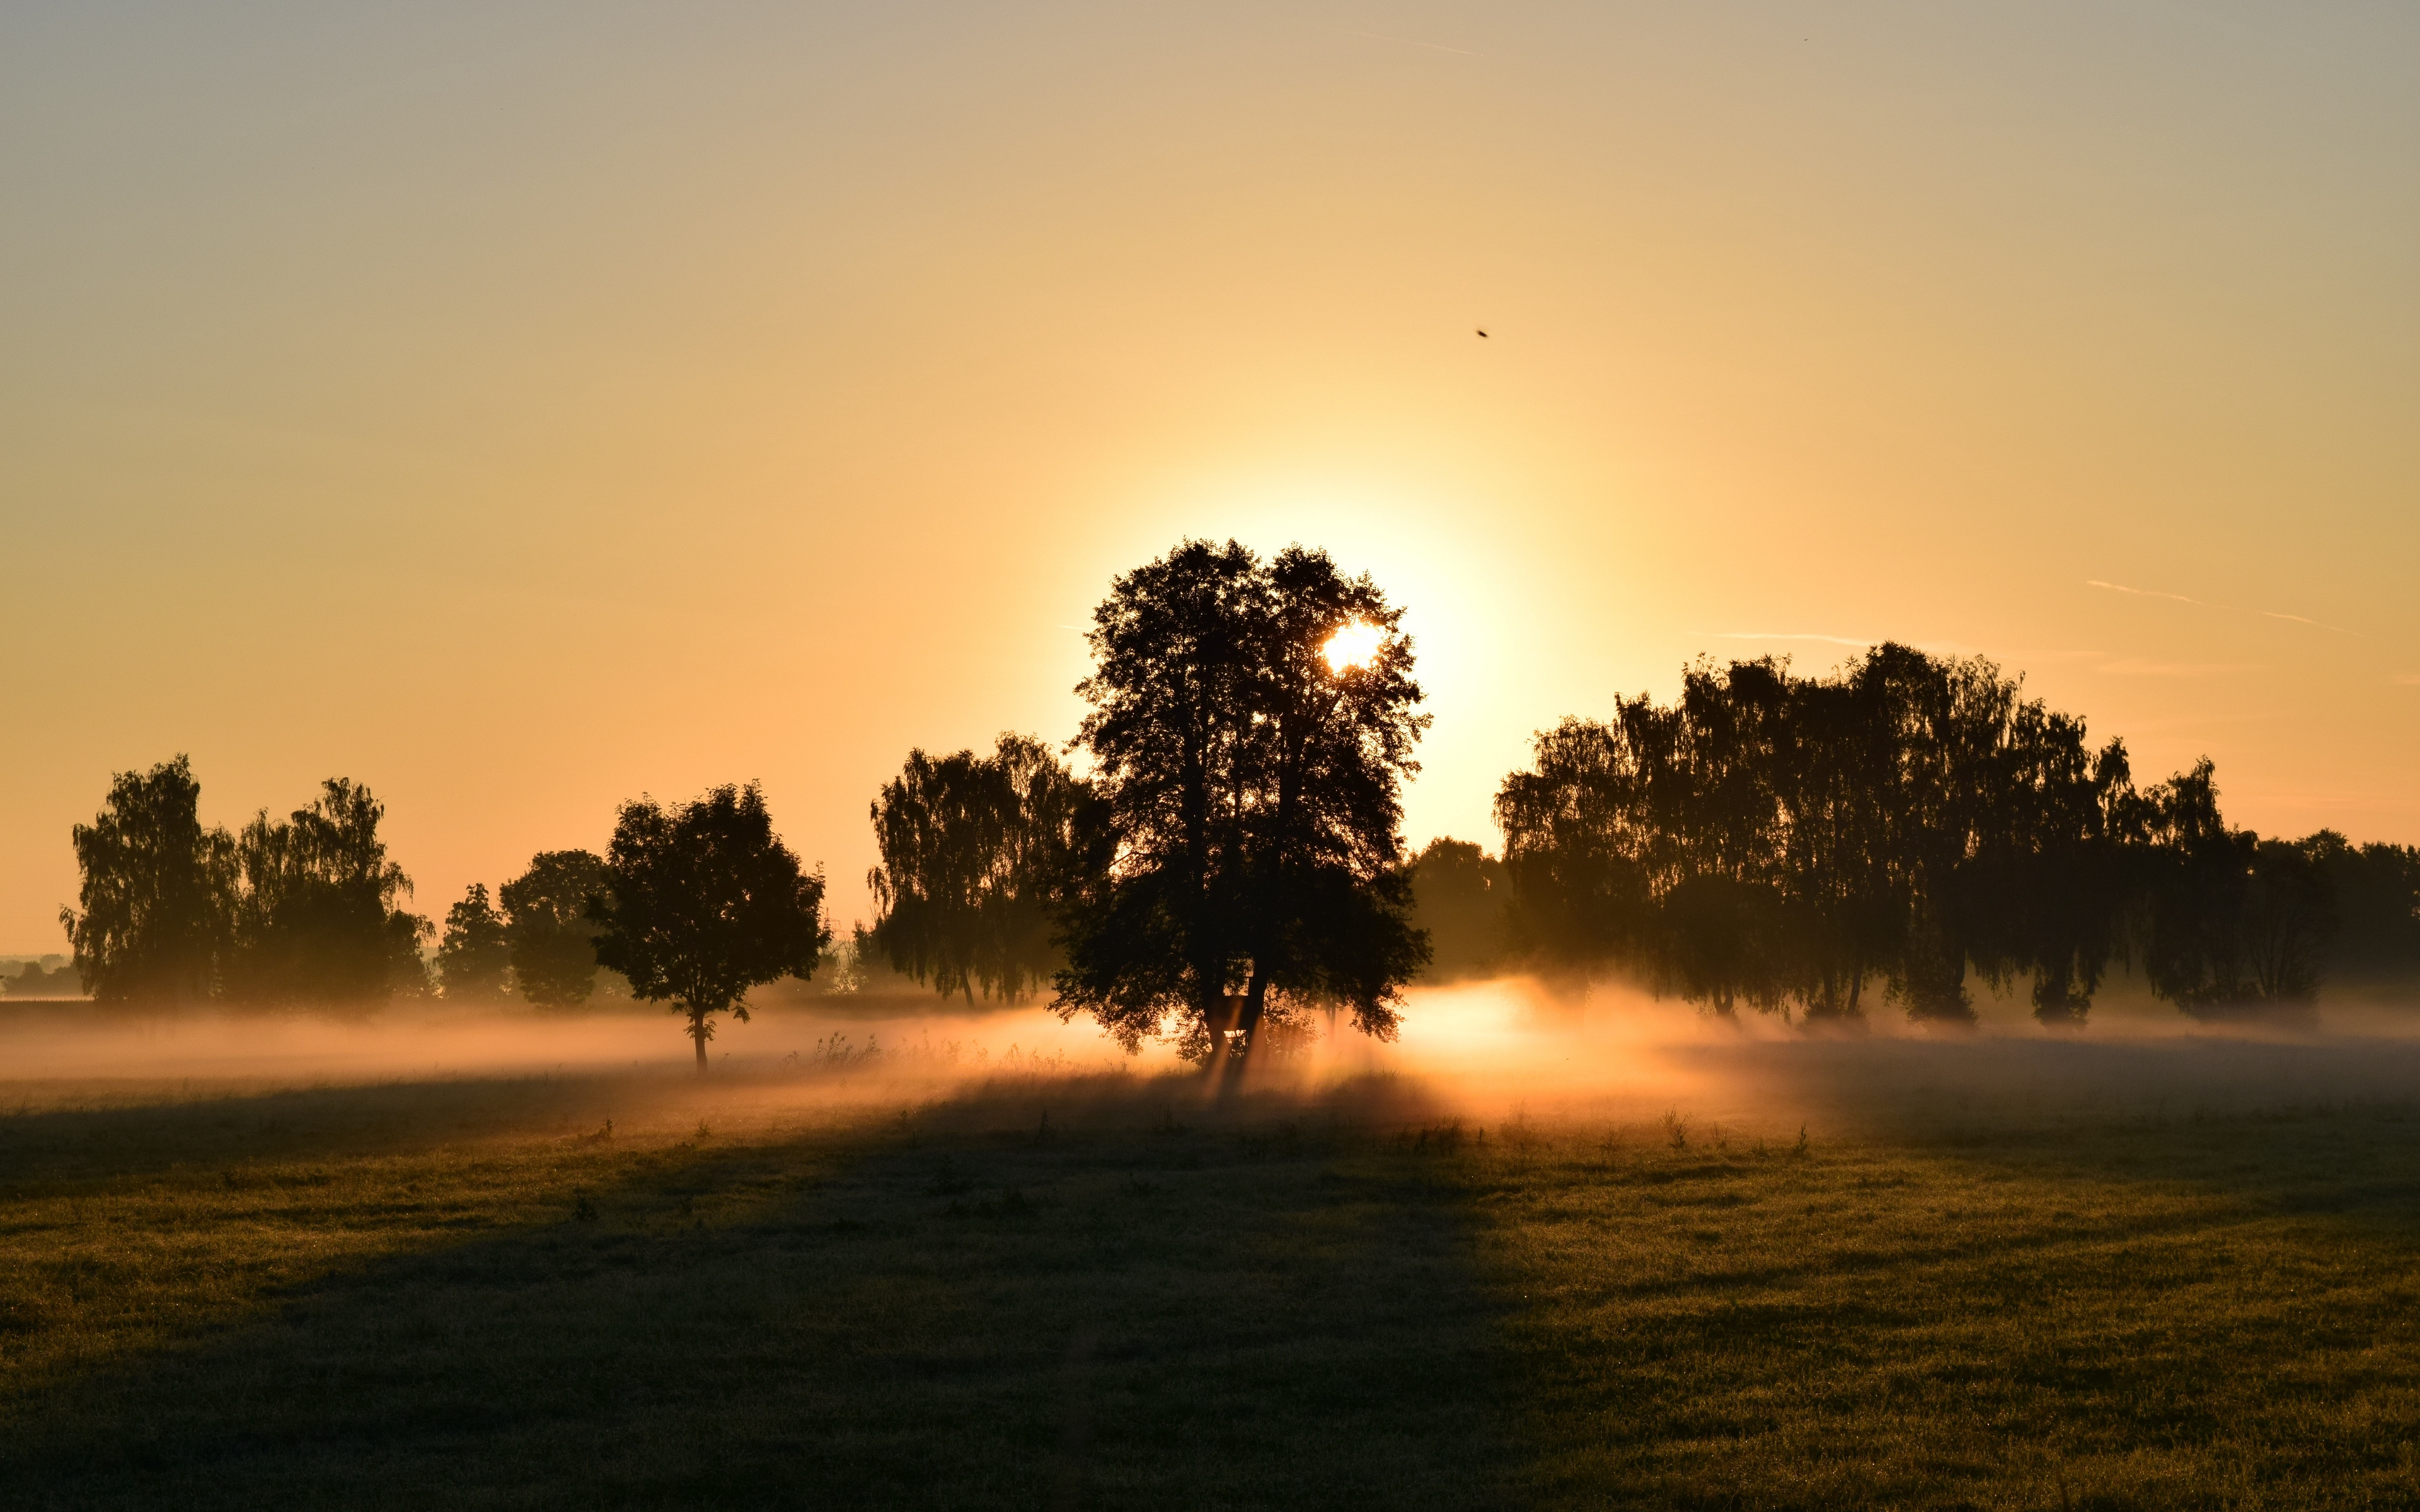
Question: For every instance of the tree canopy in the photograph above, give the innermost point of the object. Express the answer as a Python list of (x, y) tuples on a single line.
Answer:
[(1781, 842), (474, 957), (705, 902), (316, 910), (1251, 794), (977, 855), (548, 929), (156, 893)]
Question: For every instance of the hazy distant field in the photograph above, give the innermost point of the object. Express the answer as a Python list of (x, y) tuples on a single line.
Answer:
[(1585, 1268)]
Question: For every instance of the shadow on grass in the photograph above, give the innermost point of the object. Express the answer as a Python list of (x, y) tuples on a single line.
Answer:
[(2083, 1276), (1051, 1295)]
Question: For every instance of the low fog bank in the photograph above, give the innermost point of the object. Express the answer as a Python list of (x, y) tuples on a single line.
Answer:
[(1489, 1052), (155, 1054)]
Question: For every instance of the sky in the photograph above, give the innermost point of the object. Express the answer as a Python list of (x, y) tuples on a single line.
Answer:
[(521, 407)]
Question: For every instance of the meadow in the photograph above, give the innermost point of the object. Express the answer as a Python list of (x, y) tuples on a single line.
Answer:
[(1781, 1274)]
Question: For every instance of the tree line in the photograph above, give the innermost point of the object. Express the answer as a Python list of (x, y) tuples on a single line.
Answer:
[(1914, 824), (693, 905), (1229, 864)]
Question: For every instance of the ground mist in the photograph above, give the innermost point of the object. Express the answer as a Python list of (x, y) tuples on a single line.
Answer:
[(1543, 1257)]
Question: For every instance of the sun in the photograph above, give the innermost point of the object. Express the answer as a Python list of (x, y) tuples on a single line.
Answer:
[(1355, 644)]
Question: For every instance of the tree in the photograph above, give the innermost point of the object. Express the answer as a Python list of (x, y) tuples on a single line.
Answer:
[(976, 855), (2376, 893), (2235, 923), (705, 902), (1577, 842), (1458, 900), (1780, 840), (156, 893), (1250, 774), (474, 957), (548, 929), (316, 916)]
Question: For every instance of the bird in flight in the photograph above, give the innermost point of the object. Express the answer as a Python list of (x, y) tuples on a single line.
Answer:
[(1483, 332)]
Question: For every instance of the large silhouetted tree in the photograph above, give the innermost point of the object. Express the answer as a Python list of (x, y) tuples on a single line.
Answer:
[(704, 902), (548, 926), (977, 854), (156, 891), (474, 958), (316, 914), (1250, 786)]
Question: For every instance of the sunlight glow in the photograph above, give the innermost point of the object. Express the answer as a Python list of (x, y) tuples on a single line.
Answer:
[(1354, 645)]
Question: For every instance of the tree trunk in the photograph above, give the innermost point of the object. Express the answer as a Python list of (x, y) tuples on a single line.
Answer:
[(1256, 996), (697, 1034)]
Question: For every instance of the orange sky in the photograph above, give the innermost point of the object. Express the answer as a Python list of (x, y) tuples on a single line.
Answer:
[(521, 407)]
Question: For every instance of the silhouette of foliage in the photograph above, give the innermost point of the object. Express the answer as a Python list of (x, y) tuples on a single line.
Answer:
[(474, 959), (1458, 900), (34, 980), (316, 910), (976, 856), (2235, 923), (1251, 794), (549, 930), (1783, 841), (155, 916), (2375, 893), (705, 902)]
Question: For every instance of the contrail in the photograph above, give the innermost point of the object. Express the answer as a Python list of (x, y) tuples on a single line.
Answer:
[(2265, 613), (2141, 593)]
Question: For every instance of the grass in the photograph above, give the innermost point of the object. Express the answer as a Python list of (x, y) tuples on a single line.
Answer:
[(1104, 1292)]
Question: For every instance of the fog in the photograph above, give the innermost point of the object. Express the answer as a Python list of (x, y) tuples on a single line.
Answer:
[(1493, 1054)]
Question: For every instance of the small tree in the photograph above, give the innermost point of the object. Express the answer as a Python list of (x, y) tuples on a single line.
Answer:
[(706, 902), (472, 961), (548, 927), (157, 891)]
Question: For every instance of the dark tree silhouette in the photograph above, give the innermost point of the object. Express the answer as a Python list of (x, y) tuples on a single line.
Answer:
[(2049, 892), (2376, 888), (976, 856), (1250, 791), (1578, 842), (1458, 900), (316, 916), (704, 902), (474, 958), (2236, 923), (156, 893), (549, 930), (1781, 842)]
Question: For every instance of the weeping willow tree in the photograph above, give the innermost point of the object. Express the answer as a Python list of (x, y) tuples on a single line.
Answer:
[(975, 853)]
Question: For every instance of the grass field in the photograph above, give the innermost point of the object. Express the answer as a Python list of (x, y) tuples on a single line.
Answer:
[(1996, 1276)]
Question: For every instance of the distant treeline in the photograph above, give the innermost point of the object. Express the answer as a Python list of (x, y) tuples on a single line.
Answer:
[(1788, 844), (1233, 862), (694, 904), (49, 976), (307, 910), (302, 909)]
